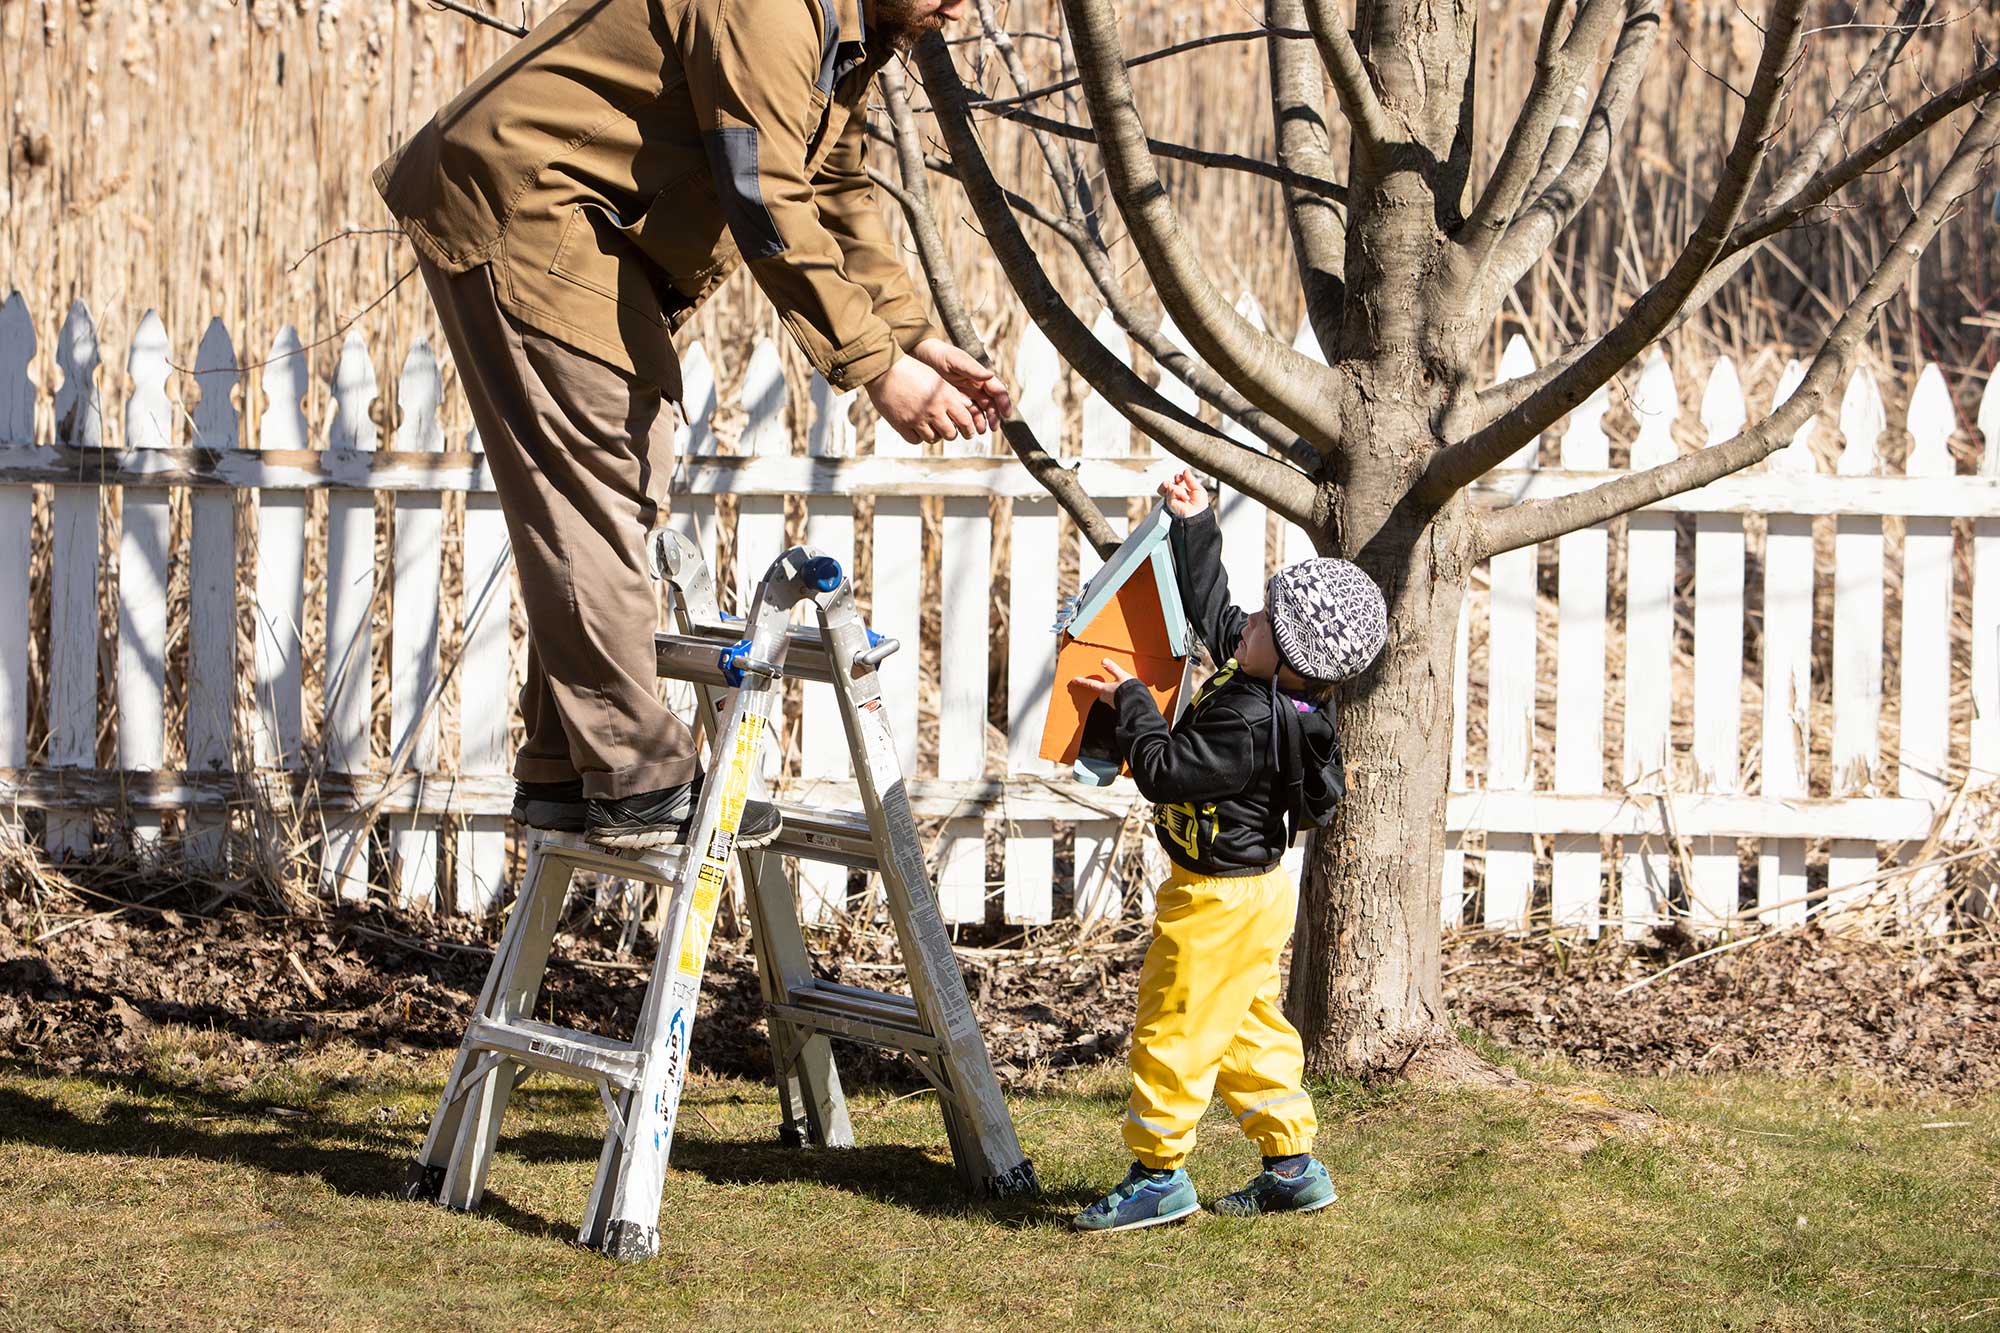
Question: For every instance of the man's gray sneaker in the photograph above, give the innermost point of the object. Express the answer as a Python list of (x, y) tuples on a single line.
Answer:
[(660, 818), (555, 807)]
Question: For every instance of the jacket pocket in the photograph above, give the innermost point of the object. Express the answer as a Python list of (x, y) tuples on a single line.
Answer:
[(596, 253)]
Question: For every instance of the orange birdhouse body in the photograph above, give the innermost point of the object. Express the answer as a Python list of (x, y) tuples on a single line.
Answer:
[(1131, 613)]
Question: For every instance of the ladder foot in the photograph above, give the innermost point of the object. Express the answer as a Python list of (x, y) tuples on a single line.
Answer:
[(793, 1133), (1018, 1182), (423, 1184), (631, 1242)]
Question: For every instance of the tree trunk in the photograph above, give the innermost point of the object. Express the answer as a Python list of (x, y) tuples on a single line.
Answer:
[(1365, 964)]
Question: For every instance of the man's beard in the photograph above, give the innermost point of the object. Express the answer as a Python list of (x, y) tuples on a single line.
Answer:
[(897, 23)]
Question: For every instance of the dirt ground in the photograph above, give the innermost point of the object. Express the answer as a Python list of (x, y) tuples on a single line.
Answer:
[(99, 979)]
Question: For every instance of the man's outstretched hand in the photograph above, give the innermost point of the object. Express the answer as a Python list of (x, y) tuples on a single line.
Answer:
[(938, 392)]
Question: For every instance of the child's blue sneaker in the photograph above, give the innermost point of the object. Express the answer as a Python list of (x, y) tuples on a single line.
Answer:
[(1275, 1192), (1142, 1199)]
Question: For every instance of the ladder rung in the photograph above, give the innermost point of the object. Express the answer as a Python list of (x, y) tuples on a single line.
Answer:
[(582, 1055), (892, 1034), (840, 837), (651, 865), (695, 657)]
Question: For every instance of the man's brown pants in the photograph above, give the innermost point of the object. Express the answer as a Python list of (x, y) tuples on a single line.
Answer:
[(581, 454)]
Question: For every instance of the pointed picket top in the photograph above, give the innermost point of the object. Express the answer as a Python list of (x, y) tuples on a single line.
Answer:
[(1248, 307), (1518, 359), (1585, 446), (283, 425), (1723, 411), (1106, 431), (1931, 421), (79, 404), (354, 388), (17, 354), (215, 377), (698, 401), (1796, 458), (1171, 386), (764, 402), (1655, 402), (418, 392), (1862, 422), (831, 432), (1989, 422), (149, 413), (1105, 328), (1306, 342)]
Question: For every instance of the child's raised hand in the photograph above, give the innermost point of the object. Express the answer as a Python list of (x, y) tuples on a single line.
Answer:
[(1104, 689), (1184, 494)]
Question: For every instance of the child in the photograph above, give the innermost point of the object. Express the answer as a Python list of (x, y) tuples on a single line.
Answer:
[(1252, 757)]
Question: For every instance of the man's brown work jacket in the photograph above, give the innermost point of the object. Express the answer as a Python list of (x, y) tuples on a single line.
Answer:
[(614, 165)]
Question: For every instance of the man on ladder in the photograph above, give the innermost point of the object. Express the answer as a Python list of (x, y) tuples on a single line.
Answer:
[(570, 210)]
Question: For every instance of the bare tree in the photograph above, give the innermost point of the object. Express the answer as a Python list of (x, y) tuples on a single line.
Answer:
[(1404, 261)]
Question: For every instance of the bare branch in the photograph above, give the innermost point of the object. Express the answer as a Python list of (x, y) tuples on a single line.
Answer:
[(1493, 402), (1559, 69), (1283, 488), (1539, 520), (1311, 182), (459, 7), (1063, 167), (1267, 371), (1358, 101), (1574, 160), (914, 196), (1146, 58), (1457, 464), (1298, 114), (1865, 81)]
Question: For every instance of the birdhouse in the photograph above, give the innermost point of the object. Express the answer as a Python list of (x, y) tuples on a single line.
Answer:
[(1131, 613)]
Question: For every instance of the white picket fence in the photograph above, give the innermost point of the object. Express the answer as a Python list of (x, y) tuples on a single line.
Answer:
[(431, 810)]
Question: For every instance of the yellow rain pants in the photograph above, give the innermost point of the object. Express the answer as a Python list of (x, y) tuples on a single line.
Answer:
[(1209, 1019)]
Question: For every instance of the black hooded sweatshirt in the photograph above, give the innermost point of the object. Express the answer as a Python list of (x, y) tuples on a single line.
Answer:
[(1248, 763)]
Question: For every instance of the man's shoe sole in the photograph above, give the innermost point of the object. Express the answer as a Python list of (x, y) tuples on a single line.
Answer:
[(548, 819), (651, 839), (1189, 1211)]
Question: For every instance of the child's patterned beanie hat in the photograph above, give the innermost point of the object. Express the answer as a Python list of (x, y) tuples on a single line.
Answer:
[(1328, 618)]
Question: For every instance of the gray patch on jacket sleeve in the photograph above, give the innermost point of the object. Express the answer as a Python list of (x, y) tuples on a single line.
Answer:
[(829, 47), (732, 157)]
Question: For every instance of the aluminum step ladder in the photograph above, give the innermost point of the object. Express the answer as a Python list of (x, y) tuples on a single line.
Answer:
[(736, 677)]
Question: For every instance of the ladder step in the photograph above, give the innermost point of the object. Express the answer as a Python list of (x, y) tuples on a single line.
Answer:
[(583, 1055), (873, 1016), (839, 837), (650, 865)]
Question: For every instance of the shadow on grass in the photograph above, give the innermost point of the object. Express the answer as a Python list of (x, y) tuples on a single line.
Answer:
[(146, 1118)]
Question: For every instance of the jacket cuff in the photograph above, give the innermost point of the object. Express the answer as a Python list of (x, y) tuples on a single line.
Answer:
[(908, 338), (854, 364)]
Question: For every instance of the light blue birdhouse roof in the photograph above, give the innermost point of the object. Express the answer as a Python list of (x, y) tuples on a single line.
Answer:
[(1145, 549)]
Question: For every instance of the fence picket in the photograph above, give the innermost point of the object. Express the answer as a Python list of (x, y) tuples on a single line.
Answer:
[(1243, 518), (694, 515), (145, 556), (485, 692), (1031, 649), (1787, 647), (963, 619), (1983, 752), (822, 736), (1098, 893), (281, 562), (1926, 638), (895, 597), (1857, 636), (17, 426), (413, 631), (1649, 642), (73, 569), (350, 597), (1580, 590), (1510, 697), (1718, 657), (211, 674)]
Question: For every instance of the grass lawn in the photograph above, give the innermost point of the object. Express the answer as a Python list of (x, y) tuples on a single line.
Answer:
[(1758, 1204)]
